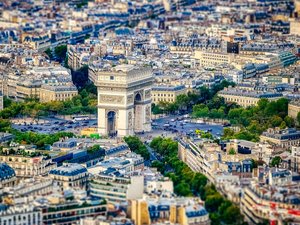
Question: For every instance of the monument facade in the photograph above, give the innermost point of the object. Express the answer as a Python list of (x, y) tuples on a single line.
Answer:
[(124, 98)]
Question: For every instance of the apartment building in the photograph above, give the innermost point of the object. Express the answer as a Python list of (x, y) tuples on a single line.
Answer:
[(277, 203), (25, 166), (295, 159), (211, 59), (38, 41), (20, 214), (77, 55), (294, 109), (68, 213), (1, 101), (34, 186), (247, 98), (70, 175), (295, 27), (168, 210), (167, 93), (60, 92), (284, 138), (198, 159), (115, 188), (27, 89)]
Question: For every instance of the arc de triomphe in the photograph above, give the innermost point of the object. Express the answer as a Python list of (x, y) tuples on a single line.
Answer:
[(124, 98)]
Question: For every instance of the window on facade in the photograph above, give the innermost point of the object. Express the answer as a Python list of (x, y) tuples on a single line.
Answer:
[(112, 77)]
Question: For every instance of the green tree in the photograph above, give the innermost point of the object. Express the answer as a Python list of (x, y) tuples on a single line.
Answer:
[(213, 202), (232, 213), (135, 145), (156, 109), (282, 125), (5, 125), (49, 53), (275, 161), (228, 133), (61, 52), (159, 165), (183, 189), (182, 101), (231, 151), (276, 121), (289, 121), (298, 118)]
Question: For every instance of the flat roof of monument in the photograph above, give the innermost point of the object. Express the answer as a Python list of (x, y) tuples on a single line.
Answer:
[(124, 67)]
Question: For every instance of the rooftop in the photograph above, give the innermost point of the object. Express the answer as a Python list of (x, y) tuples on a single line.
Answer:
[(70, 169)]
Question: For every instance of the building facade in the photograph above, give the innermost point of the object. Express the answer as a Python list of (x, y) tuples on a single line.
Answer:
[(124, 99), (19, 215), (168, 211), (57, 92), (70, 175), (167, 93), (294, 109), (283, 138), (117, 189), (71, 212), (28, 166), (247, 98)]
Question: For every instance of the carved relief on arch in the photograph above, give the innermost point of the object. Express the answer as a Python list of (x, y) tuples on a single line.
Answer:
[(130, 120), (148, 114), (130, 99), (148, 93), (115, 99)]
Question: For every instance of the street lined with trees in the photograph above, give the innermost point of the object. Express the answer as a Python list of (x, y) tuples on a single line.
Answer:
[(190, 183)]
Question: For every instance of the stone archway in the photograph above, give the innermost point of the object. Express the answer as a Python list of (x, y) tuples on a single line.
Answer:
[(138, 112), (111, 123)]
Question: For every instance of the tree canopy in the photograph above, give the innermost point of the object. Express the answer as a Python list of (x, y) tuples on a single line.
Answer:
[(137, 146), (190, 183)]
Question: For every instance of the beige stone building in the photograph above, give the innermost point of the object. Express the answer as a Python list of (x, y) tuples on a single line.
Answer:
[(247, 98), (295, 27), (27, 89), (167, 93), (208, 59), (70, 175), (57, 92), (258, 206), (124, 98), (295, 161), (76, 55), (28, 166), (168, 210), (294, 109), (1, 101), (284, 138)]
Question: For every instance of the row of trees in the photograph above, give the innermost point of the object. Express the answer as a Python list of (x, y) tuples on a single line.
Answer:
[(190, 183), (38, 139), (60, 53), (83, 103), (256, 119), (185, 102), (137, 146)]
